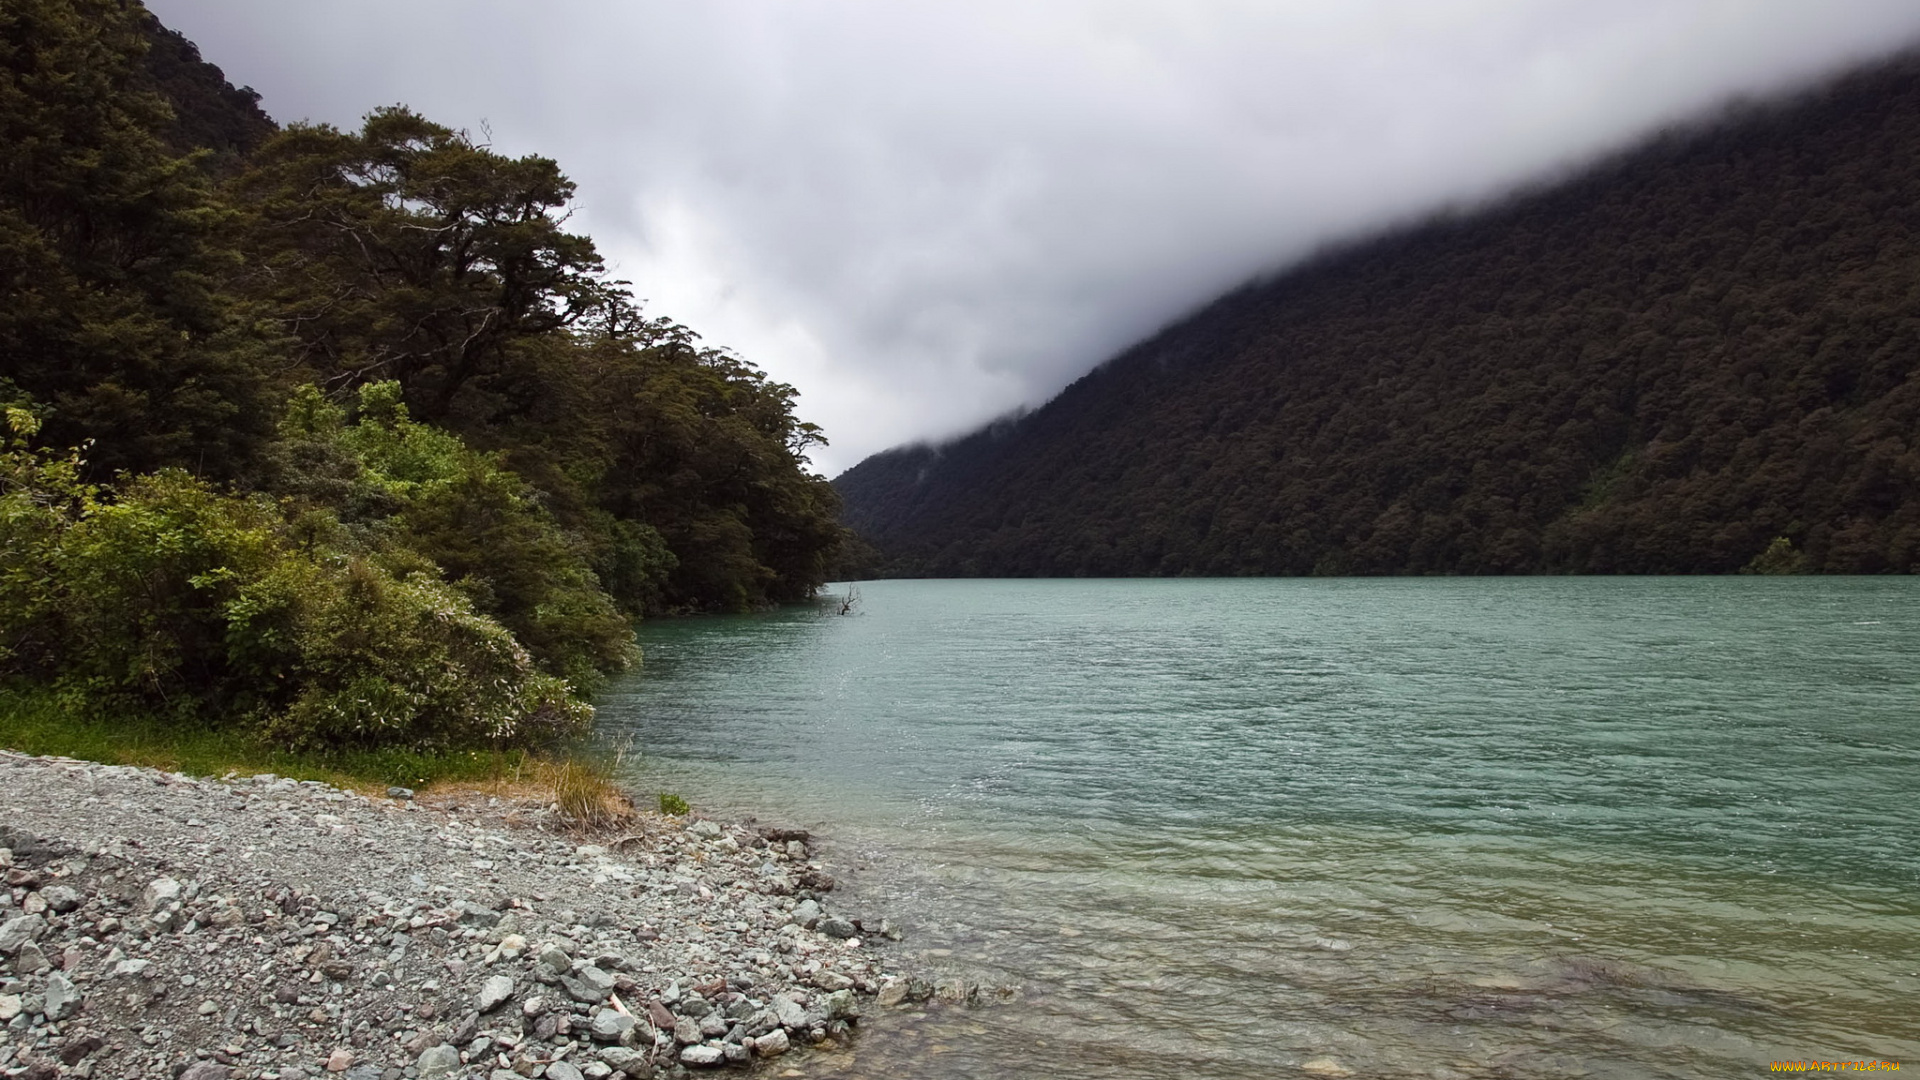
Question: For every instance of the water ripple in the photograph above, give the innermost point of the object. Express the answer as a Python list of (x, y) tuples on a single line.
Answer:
[(1516, 827)]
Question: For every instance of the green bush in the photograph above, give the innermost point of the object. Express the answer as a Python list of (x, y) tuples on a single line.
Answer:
[(416, 497), (206, 606)]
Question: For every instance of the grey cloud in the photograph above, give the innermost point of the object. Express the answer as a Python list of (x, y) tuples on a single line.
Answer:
[(925, 214)]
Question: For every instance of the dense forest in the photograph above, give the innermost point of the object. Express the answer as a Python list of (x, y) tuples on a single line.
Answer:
[(340, 435), (1699, 357)]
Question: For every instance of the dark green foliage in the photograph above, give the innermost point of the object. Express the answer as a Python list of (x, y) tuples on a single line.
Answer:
[(189, 603), (1657, 368), (108, 305), (488, 461), (406, 252), (415, 496), (703, 448), (209, 113)]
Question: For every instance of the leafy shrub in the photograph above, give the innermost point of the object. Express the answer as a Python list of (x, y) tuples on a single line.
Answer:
[(416, 497), (200, 604)]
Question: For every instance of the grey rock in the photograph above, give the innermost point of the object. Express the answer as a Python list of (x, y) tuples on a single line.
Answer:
[(737, 1054), (556, 960), (894, 993), (589, 985), (207, 1070), (62, 998), (842, 1005), (806, 913), (563, 1070), (772, 1044), (439, 1060), (761, 1022), (831, 981), (61, 898), (495, 992), (835, 927), (131, 968), (28, 958), (18, 931), (477, 914), (161, 892), (701, 1056), (620, 1057), (362, 1072), (713, 1025), (686, 1031), (789, 1013), (399, 793), (611, 1025), (705, 829), (10, 1007), (466, 1029), (695, 1006)]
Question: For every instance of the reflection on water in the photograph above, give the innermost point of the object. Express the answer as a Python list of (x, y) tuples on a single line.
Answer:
[(1594, 827)]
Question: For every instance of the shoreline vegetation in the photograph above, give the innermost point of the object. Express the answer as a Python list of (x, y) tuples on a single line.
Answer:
[(331, 452)]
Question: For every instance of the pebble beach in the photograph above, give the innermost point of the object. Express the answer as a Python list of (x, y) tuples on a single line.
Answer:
[(262, 928)]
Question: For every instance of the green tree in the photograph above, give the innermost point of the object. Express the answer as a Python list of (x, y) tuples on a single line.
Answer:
[(109, 270), (405, 251)]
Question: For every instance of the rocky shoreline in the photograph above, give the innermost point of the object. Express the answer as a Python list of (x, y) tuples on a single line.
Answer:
[(155, 925)]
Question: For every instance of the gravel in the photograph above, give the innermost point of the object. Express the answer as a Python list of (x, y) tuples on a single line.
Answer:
[(260, 928)]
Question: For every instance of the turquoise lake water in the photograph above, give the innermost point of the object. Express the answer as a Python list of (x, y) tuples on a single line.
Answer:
[(1405, 827)]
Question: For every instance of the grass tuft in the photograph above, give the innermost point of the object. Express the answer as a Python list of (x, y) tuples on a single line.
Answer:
[(584, 790)]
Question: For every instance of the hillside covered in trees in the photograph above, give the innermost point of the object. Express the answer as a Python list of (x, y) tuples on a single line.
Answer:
[(340, 435), (1662, 366)]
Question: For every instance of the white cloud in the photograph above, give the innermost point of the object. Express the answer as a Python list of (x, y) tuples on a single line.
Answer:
[(925, 214)]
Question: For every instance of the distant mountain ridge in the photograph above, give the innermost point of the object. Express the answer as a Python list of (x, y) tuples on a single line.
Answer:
[(1664, 365)]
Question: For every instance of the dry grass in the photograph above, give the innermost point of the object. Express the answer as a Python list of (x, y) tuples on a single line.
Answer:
[(580, 789), (586, 795)]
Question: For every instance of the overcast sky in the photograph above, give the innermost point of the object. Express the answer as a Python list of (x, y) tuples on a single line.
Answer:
[(925, 213)]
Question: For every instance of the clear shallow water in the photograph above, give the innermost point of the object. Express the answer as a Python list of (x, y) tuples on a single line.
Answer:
[(1444, 827)]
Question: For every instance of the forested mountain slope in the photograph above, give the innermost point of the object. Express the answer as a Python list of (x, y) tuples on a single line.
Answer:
[(1661, 366)]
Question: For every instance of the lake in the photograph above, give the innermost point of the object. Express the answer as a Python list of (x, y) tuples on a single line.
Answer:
[(1516, 827)]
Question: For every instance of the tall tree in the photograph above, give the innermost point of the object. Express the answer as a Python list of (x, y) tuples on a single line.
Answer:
[(407, 251), (109, 273)]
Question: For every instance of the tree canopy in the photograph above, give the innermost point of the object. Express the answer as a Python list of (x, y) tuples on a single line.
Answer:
[(259, 380)]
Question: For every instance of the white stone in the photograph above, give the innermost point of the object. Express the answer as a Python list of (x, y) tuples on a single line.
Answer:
[(494, 993), (161, 892)]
